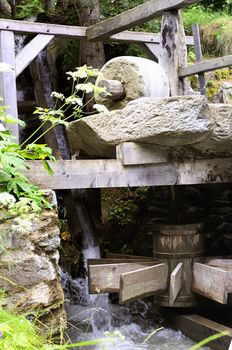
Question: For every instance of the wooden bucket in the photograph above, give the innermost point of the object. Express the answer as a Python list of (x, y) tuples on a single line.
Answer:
[(174, 244)]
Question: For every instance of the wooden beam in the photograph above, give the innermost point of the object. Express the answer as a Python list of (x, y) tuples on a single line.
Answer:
[(30, 51), (152, 50), (8, 79), (99, 174), (141, 37), (173, 51), (176, 282), (212, 282), (131, 153), (198, 328), (105, 261), (127, 256), (143, 282), (206, 66), (25, 27), (138, 15), (106, 278), (70, 174)]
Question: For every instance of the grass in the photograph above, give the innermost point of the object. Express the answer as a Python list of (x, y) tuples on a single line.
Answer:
[(18, 333)]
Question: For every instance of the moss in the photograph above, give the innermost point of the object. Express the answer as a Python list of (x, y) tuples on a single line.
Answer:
[(216, 80)]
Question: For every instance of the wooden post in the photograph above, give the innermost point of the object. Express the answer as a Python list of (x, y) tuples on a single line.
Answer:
[(198, 51), (173, 51), (8, 79)]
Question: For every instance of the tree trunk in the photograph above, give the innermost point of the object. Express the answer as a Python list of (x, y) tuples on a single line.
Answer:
[(91, 53), (5, 8)]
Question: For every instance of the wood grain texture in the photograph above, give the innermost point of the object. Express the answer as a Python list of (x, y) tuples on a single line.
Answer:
[(143, 282), (25, 27), (30, 51), (212, 282), (206, 66), (70, 174), (106, 278), (197, 328), (131, 153), (136, 16), (176, 282)]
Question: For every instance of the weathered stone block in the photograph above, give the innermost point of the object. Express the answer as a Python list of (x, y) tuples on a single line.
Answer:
[(169, 121)]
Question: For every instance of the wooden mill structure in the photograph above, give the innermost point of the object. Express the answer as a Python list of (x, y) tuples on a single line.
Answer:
[(178, 269)]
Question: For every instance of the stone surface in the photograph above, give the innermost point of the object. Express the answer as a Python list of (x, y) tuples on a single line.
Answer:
[(29, 264), (170, 121), (220, 139), (137, 77)]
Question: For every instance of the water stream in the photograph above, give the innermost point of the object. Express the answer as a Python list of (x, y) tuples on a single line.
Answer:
[(92, 316)]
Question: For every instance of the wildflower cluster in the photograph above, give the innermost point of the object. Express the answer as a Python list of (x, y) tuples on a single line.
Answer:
[(80, 86)]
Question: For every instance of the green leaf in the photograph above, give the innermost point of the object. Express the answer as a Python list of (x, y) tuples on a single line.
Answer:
[(47, 167)]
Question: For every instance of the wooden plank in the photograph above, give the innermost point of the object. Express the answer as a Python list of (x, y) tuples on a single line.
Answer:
[(143, 282), (141, 37), (205, 171), (99, 174), (198, 328), (30, 51), (111, 173), (198, 51), (206, 66), (8, 79), (138, 15), (152, 50), (176, 282), (212, 282), (224, 263), (25, 27), (131, 153), (127, 256), (105, 261), (106, 278)]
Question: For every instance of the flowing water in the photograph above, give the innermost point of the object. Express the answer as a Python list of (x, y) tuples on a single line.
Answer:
[(93, 317)]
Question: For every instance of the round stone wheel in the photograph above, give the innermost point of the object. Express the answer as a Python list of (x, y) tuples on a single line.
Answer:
[(139, 77)]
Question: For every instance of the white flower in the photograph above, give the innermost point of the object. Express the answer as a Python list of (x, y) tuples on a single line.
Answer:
[(88, 87), (6, 199), (57, 95), (100, 108), (74, 100)]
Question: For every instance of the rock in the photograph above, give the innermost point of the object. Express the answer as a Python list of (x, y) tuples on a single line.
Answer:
[(29, 264), (169, 121), (41, 295), (21, 269), (220, 139)]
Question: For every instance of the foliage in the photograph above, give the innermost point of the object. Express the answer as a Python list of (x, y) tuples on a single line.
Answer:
[(198, 14), (29, 8), (13, 157), (12, 162), (18, 333)]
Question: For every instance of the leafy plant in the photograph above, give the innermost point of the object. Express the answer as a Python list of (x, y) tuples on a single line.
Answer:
[(13, 156), (30, 8), (18, 333)]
